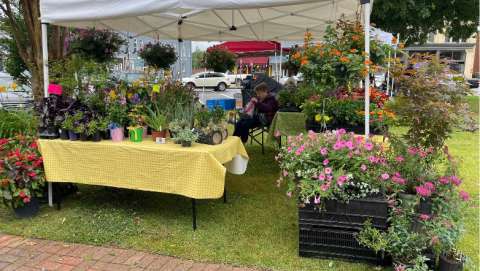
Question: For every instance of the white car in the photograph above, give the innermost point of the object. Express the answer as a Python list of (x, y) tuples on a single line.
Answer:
[(217, 80), (236, 78), (296, 78)]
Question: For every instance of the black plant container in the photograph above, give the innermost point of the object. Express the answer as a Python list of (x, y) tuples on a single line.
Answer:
[(64, 134), (416, 225), (447, 264), (186, 143), (425, 206), (28, 210), (96, 137), (83, 137), (312, 125), (72, 135), (106, 134)]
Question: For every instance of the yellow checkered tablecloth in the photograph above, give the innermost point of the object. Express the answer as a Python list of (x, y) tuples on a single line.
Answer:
[(196, 172)]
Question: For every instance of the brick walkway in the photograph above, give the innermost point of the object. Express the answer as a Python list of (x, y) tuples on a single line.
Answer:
[(23, 254)]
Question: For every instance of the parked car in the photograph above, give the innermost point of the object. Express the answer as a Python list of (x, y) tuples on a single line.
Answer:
[(474, 82), (297, 78), (236, 78), (217, 80)]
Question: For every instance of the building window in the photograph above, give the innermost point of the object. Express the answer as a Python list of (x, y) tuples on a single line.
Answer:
[(455, 60)]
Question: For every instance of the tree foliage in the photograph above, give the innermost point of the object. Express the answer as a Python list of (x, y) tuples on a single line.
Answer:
[(219, 60), (197, 59), (414, 20), (158, 56), (97, 45)]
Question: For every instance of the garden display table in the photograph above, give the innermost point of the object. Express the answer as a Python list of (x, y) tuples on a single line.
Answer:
[(287, 124), (197, 172)]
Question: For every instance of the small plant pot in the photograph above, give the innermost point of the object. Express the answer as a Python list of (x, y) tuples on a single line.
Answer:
[(28, 210), (410, 199), (186, 143), (136, 134), (425, 206), (448, 264), (64, 134), (83, 137), (416, 226), (72, 135), (117, 134), (161, 134), (105, 135), (96, 137)]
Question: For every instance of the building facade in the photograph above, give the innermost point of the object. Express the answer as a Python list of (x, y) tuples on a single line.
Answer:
[(459, 54)]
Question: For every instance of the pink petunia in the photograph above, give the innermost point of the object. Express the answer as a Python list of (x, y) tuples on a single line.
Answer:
[(316, 200), (349, 145), (368, 146), (285, 173), (464, 195), (385, 176), (328, 170), (324, 187), (455, 180), (399, 159), (444, 180), (423, 191), (329, 177), (424, 217), (430, 186), (289, 194), (399, 180), (372, 159), (325, 162), (321, 177), (412, 151), (341, 180), (341, 131), (323, 151), (363, 167)]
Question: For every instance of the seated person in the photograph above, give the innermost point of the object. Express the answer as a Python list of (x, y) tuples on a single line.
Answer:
[(259, 112)]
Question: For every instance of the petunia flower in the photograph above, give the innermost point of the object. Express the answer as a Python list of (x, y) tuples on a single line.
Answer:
[(464, 195)]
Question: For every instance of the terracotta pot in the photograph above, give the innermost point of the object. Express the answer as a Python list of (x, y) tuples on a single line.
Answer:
[(162, 134)]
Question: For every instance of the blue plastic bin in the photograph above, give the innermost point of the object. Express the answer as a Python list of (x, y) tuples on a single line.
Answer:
[(226, 104)]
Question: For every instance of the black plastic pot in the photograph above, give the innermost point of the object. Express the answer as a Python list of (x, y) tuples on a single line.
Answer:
[(407, 198), (96, 137), (28, 210), (416, 226), (447, 264), (64, 134), (312, 125), (83, 137), (425, 206), (106, 134), (186, 143), (72, 135)]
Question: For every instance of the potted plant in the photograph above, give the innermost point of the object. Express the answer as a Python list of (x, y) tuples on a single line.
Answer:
[(157, 122), (92, 130), (21, 176), (102, 124), (117, 116), (80, 130), (136, 128), (187, 136), (67, 126)]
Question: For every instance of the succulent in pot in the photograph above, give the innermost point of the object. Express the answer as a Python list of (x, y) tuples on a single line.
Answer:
[(187, 136)]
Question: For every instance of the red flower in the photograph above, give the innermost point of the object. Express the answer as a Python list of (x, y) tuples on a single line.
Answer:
[(26, 200), (22, 194), (32, 174), (424, 217), (18, 164), (33, 145)]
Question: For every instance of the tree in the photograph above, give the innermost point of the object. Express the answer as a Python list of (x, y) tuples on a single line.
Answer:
[(414, 20), (158, 56), (19, 19), (219, 60), (197, 59)]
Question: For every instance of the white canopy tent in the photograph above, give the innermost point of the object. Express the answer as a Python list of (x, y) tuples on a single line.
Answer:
[(205, 20)]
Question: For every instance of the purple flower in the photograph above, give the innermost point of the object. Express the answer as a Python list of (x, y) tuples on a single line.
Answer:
[(328, 170), (325, 162), (455, 180), (385, 176)]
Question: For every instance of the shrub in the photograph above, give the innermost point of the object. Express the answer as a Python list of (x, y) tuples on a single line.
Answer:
[(98, 45), (17, 122)]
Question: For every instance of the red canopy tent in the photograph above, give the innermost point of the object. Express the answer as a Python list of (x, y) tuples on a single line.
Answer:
[(247, 47)]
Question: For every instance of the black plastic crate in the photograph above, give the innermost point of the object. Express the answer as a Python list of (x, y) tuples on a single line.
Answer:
[(324, 242), (351, 215)]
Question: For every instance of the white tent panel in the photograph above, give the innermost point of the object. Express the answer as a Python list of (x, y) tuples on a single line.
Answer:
[(202, 20)]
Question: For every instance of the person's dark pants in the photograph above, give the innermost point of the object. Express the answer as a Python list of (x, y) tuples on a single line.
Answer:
[(243, 126)]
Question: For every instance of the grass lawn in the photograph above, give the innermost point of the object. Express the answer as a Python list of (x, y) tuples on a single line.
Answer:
[(257, 227)]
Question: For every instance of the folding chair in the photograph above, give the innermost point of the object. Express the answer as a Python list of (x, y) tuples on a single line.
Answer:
[(254, 132)]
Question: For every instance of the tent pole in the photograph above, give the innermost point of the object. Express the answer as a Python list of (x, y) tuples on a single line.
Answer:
[(388, 74), (366, 13), (45, 58), (281, 60)]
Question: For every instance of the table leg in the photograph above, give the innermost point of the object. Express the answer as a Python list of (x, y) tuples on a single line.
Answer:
[(225, 194), (50, 194), (194, 214)]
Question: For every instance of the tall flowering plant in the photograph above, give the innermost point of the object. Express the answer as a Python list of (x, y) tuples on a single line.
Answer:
[(21, 171), (333, 165)]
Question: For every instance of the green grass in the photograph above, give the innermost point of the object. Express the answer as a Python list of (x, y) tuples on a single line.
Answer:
[(473, 102), (257, 227)]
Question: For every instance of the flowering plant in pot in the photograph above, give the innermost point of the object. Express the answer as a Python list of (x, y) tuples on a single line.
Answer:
[(157, 122), (334, 165), (187, 136), (21, 175), (137, 120), (117, 115), (102, 123)]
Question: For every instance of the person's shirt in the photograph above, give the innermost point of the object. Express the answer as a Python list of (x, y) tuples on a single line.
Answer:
[(269, 106)]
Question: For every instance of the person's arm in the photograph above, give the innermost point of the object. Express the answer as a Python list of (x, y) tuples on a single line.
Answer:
[(268, 105)]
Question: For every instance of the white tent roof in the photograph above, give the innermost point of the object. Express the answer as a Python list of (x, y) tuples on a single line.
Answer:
[(200, 19)]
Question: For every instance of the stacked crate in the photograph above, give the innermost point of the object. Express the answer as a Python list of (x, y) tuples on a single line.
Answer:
[(331, 232)]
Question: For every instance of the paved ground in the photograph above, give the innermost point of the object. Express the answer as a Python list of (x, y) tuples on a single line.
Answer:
[(23, 254)]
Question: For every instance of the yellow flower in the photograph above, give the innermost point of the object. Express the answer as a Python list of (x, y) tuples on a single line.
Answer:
[(112, 95), (318, 117), (136, 83), (14, 86), (3, 89)]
